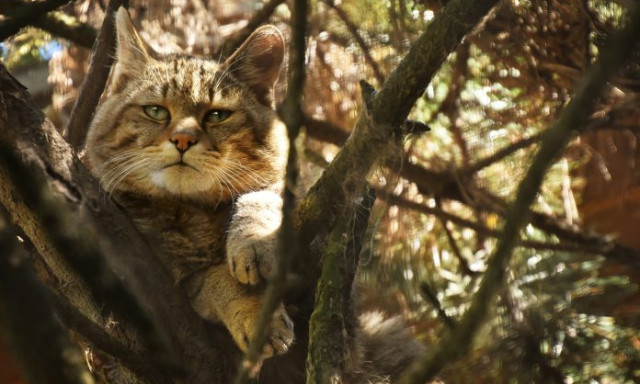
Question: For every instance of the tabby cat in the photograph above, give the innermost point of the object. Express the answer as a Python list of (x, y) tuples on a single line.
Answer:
[(193, 151)]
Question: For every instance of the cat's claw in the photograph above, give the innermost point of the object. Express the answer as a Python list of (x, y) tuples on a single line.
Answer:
[(252, 261), (280, 333)]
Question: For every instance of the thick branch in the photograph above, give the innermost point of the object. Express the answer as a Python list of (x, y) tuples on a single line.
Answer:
[(457, 342), (98, 338), (23, 14), (96, 79), (333, 320), (391, 106), (38, 341), (68, 27)]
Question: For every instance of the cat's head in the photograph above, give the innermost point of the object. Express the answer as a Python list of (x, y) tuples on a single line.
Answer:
[(189, 126)]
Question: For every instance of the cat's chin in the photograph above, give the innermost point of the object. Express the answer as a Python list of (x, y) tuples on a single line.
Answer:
[(182, 181)]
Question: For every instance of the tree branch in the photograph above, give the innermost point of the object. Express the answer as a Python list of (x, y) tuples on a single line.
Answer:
[(96, 79), (391, 106), (428, 294), (26, 12), (259, 18), (287, 249), (353, 29), (501, 154), (585, 244), (67, 27), (332, 324), (135, 361), (455, 343), (41, 346)]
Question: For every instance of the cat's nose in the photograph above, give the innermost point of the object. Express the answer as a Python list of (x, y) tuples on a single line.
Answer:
[(183, 140)]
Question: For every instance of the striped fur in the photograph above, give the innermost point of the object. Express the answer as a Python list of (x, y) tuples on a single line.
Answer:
[(204, 191)]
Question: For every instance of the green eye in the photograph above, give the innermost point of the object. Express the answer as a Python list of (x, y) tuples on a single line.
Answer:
[(216, 116), (156, 112)]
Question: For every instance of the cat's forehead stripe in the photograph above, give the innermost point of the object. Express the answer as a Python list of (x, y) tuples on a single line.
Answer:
[(192, 77)]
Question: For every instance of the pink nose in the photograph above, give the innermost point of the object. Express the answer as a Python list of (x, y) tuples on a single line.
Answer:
[(183, 140)]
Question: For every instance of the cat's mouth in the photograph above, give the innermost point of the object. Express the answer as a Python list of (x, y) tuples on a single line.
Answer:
[(179, 164)]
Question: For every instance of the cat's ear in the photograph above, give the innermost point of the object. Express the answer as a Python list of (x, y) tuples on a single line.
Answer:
[(258, 60), (131, 55)]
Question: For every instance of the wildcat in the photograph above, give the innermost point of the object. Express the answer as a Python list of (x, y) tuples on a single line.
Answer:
[(193, 151)]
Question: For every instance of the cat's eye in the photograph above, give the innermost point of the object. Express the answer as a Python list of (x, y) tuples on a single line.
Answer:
[(156, 112), (215, 116)]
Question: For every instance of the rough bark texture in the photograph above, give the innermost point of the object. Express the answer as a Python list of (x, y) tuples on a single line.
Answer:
[(332, 324)]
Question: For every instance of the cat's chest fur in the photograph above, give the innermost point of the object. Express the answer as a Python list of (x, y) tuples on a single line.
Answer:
[(189, 237)]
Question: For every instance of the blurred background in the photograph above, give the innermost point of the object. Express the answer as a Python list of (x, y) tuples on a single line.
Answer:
[(569, 311)]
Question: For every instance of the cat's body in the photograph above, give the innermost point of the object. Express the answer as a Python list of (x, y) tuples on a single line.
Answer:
[(193, 151)]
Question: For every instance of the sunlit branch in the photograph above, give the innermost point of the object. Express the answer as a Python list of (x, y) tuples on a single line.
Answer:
[(89, 94), (391, 106)]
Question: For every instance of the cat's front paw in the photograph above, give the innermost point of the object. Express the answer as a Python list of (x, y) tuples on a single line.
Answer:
[(252, 258), (252, 236), (243, 326)]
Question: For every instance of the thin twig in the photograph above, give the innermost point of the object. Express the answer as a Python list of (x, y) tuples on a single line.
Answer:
[(464, 264), (587, 245), (501, 154), (96, 79), (353, 29), (454, 344), (259, 18), (428, 293), (287, 245)]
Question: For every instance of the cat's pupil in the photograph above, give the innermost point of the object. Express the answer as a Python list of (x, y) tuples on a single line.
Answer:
[(156, 112), (217, 116)]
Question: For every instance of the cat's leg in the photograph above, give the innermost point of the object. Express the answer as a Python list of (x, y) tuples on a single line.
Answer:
[(252, 236), (222, 298)]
